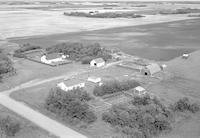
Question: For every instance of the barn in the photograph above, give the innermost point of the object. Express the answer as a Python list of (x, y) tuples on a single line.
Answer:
[(99, 62), (151, 69)]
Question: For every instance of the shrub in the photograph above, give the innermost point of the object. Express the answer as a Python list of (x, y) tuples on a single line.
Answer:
[(6, 65), (70, 105), (141, 100), (24, 48), (9, 127), (185, 105)]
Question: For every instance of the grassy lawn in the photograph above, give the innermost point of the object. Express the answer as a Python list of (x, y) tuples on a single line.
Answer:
[(28, 130)]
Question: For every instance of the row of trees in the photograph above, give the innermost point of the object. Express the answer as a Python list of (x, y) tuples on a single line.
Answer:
[(105, 15), (70, 105), (80, 52), (6, 65), (114, 87), (180, 11), (24, 48), (8, 127), (145, 117)]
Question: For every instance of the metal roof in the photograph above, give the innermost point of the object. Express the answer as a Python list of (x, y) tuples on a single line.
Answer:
[(98, 60), (153, 68)]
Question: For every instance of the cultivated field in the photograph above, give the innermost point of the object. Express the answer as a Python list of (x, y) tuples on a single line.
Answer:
[(163, 41), (32, 20)]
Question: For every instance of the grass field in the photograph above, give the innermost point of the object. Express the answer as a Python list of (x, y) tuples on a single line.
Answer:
[(28, 130), (163, 41)]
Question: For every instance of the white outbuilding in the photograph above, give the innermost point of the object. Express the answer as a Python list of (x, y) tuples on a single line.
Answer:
[(99, 62), (185, 56), (139, 91)]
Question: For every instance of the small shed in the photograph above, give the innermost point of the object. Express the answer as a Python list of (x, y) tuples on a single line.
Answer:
[(151, 69), (99, 62), (94, 79), (185, 56), (139, 90)]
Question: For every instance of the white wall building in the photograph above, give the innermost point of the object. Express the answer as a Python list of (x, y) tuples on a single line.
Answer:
[(139, 90), (50, 58), (99, 62), (67, 87)]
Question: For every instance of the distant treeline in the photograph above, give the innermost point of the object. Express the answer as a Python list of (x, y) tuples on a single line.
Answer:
[(180, 11), (104, 15)]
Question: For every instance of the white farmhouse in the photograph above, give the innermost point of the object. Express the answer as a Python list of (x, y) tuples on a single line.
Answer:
[(99, 62), (52, 58), (67, 85)]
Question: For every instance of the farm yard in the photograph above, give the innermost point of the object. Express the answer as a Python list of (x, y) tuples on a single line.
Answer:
[(35, 97), (105, 75)]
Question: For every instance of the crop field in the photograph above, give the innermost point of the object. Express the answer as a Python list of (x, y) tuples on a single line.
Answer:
[(163, 41)]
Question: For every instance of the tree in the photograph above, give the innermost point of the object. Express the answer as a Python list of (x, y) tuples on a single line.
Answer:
[(6, 65), (70, 105), (9, 127)]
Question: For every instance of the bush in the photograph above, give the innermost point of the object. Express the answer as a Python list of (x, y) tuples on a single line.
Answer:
[(9, 127), (24, 48), (71, 104), (6, 65), (141, 100), (114, 87), (185, 105)]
